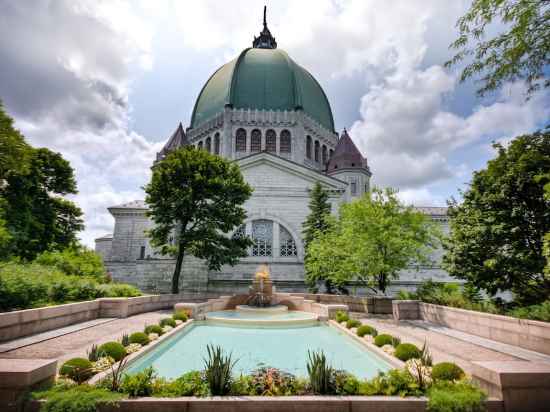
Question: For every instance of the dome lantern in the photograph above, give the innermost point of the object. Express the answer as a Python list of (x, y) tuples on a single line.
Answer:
[(265, 40)]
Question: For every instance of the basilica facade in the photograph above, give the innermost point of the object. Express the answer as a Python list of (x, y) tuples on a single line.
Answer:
[(268, 114)]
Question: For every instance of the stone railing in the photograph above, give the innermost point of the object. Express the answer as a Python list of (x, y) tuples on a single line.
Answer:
[(30, 321), (376, 305), (528, 334)]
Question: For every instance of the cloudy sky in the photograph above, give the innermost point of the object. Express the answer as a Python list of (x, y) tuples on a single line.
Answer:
[(105, 84)]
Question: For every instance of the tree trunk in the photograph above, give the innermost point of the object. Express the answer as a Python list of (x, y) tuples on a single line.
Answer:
[(382, 282), (177, 271)]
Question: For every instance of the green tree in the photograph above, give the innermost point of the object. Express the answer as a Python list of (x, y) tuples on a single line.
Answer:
[(374, 238), (197, 198), (37, 216), (13, 148), (76, 260), (520, 51), (497, 232)]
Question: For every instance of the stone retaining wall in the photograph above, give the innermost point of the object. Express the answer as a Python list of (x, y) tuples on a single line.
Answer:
[(377, 305), (528, 334)]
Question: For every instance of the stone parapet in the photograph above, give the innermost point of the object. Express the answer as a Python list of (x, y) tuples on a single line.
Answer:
[(378, 305), (405, 309)]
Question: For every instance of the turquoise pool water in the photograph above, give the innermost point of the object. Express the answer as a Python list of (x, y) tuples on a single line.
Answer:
[(285, 349)]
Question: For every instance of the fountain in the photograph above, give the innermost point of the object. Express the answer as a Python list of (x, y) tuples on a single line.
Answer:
[(261, 294)]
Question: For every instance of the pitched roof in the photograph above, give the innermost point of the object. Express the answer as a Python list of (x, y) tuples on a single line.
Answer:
[(346, 155), (178, 139)]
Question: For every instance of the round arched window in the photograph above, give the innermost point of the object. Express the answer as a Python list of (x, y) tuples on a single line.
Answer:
[(240, 140)]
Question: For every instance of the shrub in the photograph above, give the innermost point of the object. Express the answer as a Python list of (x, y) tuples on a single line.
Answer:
[(352, 323), (138, 384), (267, 381), (383, 339), (75, 261), (189, 384), (394, 382), (320, 372), (345, 383), (217, 370), (93, 353), (113, 349), (366, 330), (118, 290), (167, 322), (180, 316), (78, 369), (242, 386), (81, 398), (406, 351), (139, 337), (341, 316), (455, 397), (447, 371), (535, 312), (153, 329)]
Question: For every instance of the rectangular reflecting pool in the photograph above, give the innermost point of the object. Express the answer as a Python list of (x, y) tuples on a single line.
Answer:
[(283, 348)]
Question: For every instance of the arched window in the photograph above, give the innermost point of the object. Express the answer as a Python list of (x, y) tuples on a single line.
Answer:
[(324, 155), (256, 141), (240, 140), (308, 147), (271, 141), (217, 143), (200, 145), (287, 245), (208, 145), (285, 142), (330, 152), (316, 150), (262, 236)]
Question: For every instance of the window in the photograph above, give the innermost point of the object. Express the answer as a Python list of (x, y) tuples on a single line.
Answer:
[(200, 145), (240, 140), (262, 235), (353, 188), (324, 155), (217, 143), (330, 152), (286, 243), (308, 147), (142, 252), (316, 150), (256, 141), (271, 141), (208, 145), (285, 142)]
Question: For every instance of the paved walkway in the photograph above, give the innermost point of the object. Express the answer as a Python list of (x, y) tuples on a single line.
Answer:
[(443, 347), (75, 344)]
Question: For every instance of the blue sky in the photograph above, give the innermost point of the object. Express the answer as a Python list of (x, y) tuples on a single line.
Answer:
[(105, 83)]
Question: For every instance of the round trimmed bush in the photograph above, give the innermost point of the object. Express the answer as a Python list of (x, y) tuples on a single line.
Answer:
[(341, 317), (153, 329), (353, 323), (139, 337), (366, 330), (447, 371), (406, 351), (78, 369), (167, 322), (113, 349), (180, 316), (383, 339)]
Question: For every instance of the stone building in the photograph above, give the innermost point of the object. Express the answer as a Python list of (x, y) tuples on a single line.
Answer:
[(268, 114)]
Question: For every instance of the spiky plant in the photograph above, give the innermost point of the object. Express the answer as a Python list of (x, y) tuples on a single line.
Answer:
[(125, 340), (93, 353), (320, 372), (218, 369)]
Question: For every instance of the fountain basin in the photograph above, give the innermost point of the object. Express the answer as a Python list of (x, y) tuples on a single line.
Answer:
[(265, 318), (263, 310)]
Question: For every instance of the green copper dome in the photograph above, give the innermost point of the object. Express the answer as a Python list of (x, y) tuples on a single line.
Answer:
[(263, 78)]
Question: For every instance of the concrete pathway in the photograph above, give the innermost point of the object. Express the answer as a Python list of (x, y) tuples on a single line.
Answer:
[(78, 342)]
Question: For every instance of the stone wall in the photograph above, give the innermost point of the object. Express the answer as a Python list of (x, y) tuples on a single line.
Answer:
[(378, 305)]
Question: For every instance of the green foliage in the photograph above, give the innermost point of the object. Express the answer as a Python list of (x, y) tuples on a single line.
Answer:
[(25, 286), (447, 371), (153, 329), (456, 397), (366, 330), (320, 373), (374, 238), (519, 52), (189, 384), (450, 294), (383, 339), (78, 369), (217, 369), (267, 381), (93, 354), (406, 351), (113, 349), (352, 323), (497, 232), (139, 337), (138, 384), (118, 290), (341, 317), (125, 340), (14, 151), (75, 260), (180, 316), (394, 382), (81, 398), (344, 383), (167, 322), (535, 312), (200, 197)]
